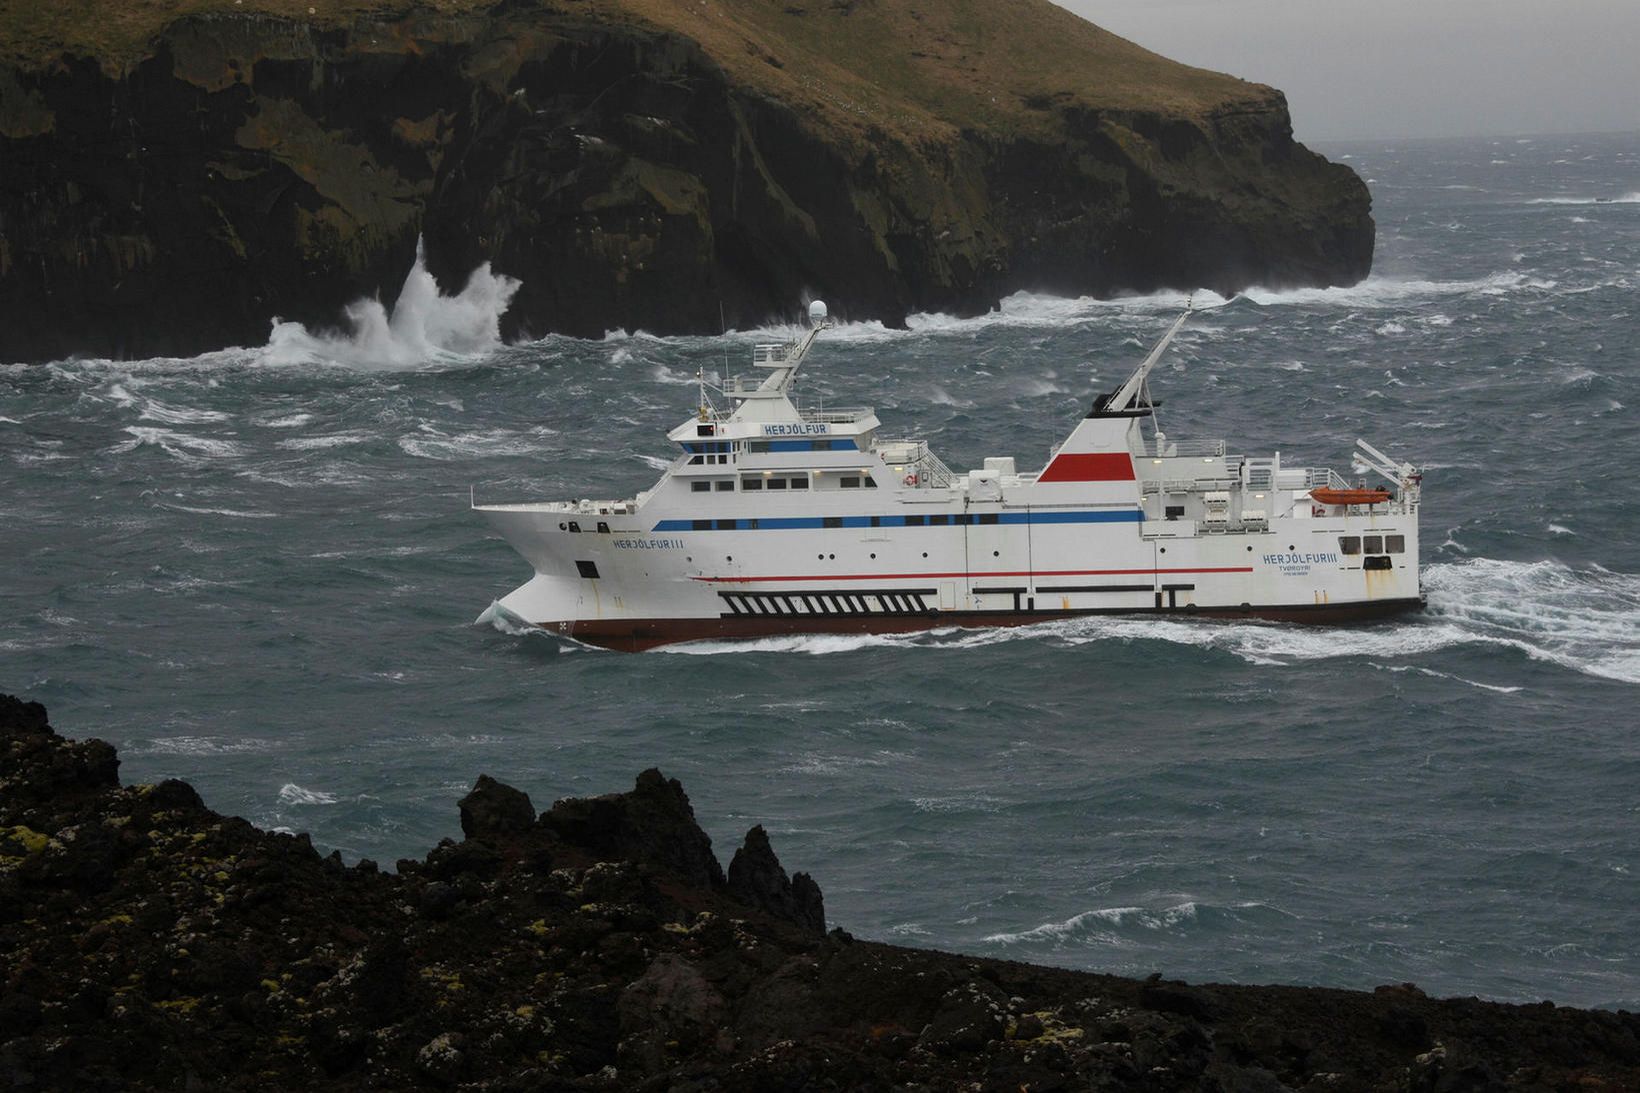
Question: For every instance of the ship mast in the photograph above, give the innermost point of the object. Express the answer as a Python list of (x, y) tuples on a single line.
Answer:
[(1127, 396)]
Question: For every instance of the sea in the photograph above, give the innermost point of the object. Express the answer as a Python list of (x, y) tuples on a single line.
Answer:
[(257, 570)]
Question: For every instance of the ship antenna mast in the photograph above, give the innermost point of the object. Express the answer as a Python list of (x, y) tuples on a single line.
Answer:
[(1135, 388)]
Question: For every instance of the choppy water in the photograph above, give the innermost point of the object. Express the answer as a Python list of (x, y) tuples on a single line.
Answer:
[(255, 570)]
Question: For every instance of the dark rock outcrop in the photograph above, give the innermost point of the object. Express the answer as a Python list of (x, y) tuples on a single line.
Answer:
[(757, 879), (493, 810), (148, 943), (654, 823), (172, 186)]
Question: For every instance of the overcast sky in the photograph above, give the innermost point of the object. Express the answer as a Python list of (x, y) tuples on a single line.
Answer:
[(1409, 68)]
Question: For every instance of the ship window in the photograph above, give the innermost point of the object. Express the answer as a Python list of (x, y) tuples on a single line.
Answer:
[(914, 521), (831, 521), (1395, 544), (777, 483), (700, 525), (705, 430), (603, 527), (1380, 561), (725, 485), (575, 527), (989, 518), (1173, 512), (750, 483), (937, 521), (701, 487), (1373, 544), (1349, 544), (757, 446), (822, 445), (695, 460), (726, 525), (850, 482), (876, 521), (869, 482), (587, 569), (800, 483)]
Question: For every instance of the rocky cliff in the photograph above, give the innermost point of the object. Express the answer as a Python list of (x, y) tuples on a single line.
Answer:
[(176, 173), (147, 942)]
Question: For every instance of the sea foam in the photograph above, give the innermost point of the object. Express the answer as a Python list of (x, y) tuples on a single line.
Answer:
[(424, 326)]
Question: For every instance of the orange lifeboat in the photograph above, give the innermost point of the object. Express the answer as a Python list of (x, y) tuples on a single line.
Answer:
[(1328, 496)]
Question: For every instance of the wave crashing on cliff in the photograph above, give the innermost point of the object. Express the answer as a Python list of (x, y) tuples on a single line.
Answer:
[(424, 326)]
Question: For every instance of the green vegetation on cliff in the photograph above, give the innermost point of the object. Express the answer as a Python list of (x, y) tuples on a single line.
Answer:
[(180, 173)]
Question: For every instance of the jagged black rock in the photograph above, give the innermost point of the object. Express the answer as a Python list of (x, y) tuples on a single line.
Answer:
[(147, 942)]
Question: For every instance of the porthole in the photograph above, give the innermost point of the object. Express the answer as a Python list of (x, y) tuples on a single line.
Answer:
[(925, 554), (874, 555)]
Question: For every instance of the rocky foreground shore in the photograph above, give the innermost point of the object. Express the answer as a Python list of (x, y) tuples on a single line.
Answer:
[(147, 942)]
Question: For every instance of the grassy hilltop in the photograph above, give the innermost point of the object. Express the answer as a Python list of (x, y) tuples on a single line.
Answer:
[(192, 168)]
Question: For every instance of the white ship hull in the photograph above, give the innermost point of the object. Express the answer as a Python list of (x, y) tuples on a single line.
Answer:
[(653, 588), (868, 535)]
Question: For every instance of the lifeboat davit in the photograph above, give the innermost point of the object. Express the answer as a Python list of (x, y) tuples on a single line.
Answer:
[(1326, 496)]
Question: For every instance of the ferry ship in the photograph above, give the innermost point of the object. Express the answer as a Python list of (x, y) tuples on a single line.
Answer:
[(774, 519)]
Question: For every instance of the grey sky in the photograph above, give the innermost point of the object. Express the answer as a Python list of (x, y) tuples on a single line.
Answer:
[(1400, 68)]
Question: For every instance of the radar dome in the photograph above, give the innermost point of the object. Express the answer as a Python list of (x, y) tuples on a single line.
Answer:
[(817, 312)]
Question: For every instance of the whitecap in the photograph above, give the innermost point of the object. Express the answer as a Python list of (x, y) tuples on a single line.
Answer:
[(204, 745), (319, 443), (238, 514), (292, 794), (155, 410), (1625, 199), (183, 446), (1089, 921)]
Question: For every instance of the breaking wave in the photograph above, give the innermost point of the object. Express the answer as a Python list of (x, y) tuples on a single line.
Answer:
[(292, 794), (423, 327), (1585, 620), (1626, 199)]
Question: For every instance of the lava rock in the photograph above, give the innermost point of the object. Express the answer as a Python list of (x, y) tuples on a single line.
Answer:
[(147, 943), (756, 878), (653, 823), (494, 810)]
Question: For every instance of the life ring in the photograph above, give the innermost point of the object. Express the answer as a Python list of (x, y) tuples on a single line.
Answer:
[(910, 479)]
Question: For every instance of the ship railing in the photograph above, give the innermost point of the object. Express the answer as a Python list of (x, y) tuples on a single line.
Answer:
[(1187, 485), (845, 415), (773, 354), (920, 466), (1180, 449), (1324, 478), (740, 386), (584, 507)]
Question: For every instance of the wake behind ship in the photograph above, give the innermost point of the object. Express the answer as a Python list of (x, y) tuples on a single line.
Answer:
[(777, 520)]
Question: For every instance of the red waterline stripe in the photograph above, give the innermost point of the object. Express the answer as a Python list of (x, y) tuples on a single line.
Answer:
[(1008, 573)]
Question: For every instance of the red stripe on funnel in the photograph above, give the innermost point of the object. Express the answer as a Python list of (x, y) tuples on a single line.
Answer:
[(1090, 467)]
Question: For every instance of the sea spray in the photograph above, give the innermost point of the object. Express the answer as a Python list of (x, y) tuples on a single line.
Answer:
[(423, 326)]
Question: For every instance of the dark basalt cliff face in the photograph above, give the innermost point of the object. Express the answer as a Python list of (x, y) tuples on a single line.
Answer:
[(147, 942), (637, 164)]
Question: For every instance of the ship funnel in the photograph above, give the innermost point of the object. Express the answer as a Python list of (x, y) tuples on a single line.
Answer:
[(817, 313)]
